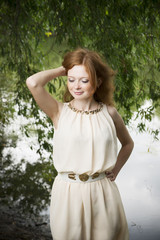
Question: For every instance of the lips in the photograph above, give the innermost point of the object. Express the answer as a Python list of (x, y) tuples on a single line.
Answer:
[(78, 93)]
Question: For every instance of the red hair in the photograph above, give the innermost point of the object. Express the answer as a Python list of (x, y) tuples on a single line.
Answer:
[(98, 71)]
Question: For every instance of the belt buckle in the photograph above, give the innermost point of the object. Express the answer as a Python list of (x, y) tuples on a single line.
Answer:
[(84, 177)]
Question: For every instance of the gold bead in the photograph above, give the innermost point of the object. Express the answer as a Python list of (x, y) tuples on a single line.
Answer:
[(83, 177), (95, 175), (86, 112), (72, 176)]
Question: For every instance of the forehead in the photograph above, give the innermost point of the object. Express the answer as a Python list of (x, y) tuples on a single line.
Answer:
[(78, 71)]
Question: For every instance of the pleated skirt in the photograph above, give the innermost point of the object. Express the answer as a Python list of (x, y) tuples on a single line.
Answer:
[(87, 211)]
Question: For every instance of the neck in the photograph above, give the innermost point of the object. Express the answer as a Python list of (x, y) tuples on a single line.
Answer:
[(85, 104)]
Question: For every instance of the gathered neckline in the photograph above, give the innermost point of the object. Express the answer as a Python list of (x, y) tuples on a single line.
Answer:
[(86, 112)]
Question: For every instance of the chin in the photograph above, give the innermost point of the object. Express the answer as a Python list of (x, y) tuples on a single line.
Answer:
[(77, 95)]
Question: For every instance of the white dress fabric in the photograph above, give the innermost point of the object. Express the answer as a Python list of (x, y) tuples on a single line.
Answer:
[(86, 143)]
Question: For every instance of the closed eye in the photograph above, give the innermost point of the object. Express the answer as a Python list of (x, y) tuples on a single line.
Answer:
[(85, 81), (70, 80)]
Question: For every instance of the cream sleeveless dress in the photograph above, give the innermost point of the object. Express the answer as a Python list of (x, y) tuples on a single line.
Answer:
[(86, 143)]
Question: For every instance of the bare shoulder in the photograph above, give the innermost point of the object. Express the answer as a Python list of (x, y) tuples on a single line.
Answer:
[(113, 113), (121, 130)]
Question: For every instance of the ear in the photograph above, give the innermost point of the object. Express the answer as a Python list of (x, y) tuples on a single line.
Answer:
[(99, 82)]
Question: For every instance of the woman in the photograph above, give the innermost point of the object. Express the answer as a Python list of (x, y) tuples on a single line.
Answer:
[(85, 202)]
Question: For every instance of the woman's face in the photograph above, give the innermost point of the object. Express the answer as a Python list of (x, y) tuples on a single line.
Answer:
[(79, 83)]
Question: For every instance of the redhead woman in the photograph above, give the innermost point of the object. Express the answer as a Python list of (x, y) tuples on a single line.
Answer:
[(85, 201)]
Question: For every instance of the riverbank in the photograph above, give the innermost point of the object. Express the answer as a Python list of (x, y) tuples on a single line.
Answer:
[(15, 225)]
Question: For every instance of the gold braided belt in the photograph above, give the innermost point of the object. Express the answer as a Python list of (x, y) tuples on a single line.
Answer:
[(72, 177)]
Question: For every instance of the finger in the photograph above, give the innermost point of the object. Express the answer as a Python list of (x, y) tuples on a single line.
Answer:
[(108, 173), (111, 176)]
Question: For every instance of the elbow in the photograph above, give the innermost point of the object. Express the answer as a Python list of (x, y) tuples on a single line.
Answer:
[(30, 82), (129, 145)]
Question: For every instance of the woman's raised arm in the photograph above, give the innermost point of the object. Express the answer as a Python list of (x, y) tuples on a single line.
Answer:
[(46, 102)]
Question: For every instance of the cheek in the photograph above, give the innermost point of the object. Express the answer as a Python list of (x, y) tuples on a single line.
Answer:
[(90, 89), (69, 85)]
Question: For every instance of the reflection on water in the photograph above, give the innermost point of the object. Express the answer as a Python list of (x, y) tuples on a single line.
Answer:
[(138, 183)]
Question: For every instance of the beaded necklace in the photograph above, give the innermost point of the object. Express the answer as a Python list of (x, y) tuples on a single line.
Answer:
[(86, 112)]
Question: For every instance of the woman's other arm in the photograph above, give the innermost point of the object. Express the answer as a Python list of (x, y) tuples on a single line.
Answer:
[(46, 102), (125, 140)]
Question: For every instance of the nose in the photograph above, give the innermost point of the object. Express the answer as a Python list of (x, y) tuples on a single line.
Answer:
[(77, 85)]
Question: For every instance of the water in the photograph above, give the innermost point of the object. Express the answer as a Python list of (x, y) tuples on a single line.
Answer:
[(138, 181), (138, 184)]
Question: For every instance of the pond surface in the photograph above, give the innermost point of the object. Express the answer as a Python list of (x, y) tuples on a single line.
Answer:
[(139, 185), (138, 181)]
